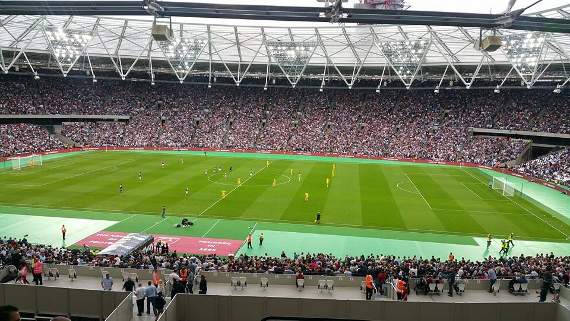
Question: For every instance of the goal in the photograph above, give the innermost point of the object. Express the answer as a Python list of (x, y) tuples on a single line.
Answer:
[(506, 188), (27, 161)]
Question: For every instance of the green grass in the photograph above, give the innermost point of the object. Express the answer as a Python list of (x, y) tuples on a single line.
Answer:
[(372, 195)]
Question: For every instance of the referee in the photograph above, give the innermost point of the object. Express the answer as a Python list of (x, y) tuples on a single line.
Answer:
[(318, 218)]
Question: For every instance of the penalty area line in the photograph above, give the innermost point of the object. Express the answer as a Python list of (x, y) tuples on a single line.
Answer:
[(231, 191), (417, 189)]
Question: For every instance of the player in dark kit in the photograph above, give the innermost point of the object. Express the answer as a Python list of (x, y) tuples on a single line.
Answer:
[(318, 219)]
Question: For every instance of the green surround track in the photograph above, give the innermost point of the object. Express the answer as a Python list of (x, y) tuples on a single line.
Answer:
[(296, 234)]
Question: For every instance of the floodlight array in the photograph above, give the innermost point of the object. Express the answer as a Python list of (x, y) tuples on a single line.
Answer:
[(292, 56), (67, 45), (182, 52), (524, 50), (405, 56)]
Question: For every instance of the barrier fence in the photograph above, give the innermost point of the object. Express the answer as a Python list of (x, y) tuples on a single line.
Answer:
[(46, 300), (249, 308)]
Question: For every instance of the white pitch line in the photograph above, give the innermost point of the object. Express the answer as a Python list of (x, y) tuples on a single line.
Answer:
[(524, 208), (472, 191), (153, 225), (417, 189), (228, 194), (83, 173), (211, 228)]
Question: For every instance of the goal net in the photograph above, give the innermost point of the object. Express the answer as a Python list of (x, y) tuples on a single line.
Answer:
[(505, 188), (27, 161)]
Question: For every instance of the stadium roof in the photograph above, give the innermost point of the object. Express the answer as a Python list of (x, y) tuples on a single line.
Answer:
[(347, 52)]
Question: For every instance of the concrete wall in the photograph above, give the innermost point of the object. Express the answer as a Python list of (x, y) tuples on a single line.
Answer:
[(61, 301), (230, 308)]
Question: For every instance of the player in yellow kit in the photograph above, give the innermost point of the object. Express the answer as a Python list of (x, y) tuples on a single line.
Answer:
[(328, 182), (333, 170), (274, 182), (306, 197)]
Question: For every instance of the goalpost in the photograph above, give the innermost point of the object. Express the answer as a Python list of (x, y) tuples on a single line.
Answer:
[(506, 188), (26, 161)]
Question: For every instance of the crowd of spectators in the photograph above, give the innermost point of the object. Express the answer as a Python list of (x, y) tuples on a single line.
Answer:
[(25, 138), (417, 124), (554, 166), (14, 252)]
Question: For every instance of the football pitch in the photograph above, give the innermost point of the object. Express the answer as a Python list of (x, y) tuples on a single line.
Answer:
[(372, 196)]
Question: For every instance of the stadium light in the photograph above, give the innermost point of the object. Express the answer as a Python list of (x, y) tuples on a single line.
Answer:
[(497, 90), (436, 90), (291, 56), (67, 45), (405, 56), (182, 53), (524, 51), (36, 77), (94, 80), (558, 89)]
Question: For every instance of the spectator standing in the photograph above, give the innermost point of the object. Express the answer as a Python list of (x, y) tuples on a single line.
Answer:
[(369, 283), (190, 282), (451, 281), (140, 296), (150, 293), (107, 283), (160, 302), (492, 276), (9, 313), (155, 277), (129, 285), (299, 276), (261, 238), (547, 282), (37, 271), (63, 232), (203, 285), (23, 274)]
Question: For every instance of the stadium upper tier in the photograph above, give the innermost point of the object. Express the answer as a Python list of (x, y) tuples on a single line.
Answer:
[(348, 53), (419, 124)]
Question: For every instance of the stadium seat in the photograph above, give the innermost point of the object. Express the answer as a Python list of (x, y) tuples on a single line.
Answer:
[(432, 288), (460, 288), (330, 285), (71, 274), (322, 285), (516, 288), (264, 282), (52, 273), (132, 275), (440, 287), (300, 284), (242, 282), (234, 282)]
